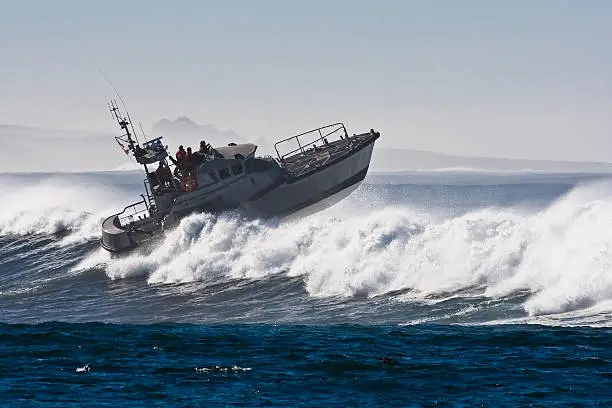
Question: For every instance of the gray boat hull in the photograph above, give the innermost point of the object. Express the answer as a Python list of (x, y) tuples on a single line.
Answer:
[(117, 238), (315, 191)]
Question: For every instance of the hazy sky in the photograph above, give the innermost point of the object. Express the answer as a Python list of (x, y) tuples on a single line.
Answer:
[(530, 79)]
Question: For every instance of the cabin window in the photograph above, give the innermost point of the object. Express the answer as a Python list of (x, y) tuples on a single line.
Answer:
[(207, 179), (237, 169), (224, 173)]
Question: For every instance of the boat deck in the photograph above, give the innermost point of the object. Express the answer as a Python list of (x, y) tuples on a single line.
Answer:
[(311, 159)]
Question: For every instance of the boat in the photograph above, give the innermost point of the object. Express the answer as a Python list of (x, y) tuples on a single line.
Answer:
[(311, 171)]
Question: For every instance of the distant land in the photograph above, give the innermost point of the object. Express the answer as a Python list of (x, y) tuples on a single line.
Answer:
[(385, 160), (30, 149)]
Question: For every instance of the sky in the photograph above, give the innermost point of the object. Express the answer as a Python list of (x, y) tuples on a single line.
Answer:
[(520, 79)]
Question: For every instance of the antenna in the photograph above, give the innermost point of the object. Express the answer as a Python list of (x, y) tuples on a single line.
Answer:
[(122, 103), (143, 132), (123, 124)]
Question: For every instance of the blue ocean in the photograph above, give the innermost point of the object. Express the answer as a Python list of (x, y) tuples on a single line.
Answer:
[(421, 289)]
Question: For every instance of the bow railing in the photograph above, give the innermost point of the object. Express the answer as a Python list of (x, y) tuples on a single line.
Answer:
[(287, 147)]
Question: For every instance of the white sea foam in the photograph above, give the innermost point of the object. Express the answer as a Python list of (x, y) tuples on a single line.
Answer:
[(222, 370), (561, 255), (96, 259), (55, 205)]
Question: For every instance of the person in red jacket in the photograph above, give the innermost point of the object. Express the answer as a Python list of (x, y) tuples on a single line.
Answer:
[(180, 154)]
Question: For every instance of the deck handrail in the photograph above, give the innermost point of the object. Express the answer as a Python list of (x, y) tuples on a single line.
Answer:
[(336, 127), (135, 213), (148, 198)]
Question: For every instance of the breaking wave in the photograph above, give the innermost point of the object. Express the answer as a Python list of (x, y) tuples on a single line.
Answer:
[(56, 205), (561, 255), (553, 260)]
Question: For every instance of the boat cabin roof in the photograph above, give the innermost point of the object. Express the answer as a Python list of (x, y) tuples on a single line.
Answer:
[(153, 143), (151, 151), (243, 151)]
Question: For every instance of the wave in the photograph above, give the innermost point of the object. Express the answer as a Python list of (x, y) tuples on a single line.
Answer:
[(554, 259), (55, 205), (560, 255)]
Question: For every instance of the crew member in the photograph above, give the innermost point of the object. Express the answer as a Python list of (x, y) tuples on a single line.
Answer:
[(189, 162), (203, 148), (180, 154), (164, 176)]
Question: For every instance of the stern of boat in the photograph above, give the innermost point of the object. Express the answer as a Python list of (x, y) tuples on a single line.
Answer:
[(127, 229)]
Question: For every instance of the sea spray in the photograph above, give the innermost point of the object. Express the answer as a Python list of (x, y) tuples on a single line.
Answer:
[(567, 262), (57, 204), (555, 259), (560, 254)]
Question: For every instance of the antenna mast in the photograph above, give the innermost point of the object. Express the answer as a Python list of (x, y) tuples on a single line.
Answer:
[(123, 124), (129, 119)]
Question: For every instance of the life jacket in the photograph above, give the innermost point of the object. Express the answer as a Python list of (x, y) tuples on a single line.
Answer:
[(180, 155)]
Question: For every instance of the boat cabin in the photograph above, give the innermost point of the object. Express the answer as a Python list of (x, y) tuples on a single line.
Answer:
[(221, 164)]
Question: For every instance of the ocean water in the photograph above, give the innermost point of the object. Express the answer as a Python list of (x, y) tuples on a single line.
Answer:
[(422, 289)]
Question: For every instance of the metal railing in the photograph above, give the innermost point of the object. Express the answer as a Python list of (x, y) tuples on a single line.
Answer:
[(323, 133), (135, 214), (148, 197)]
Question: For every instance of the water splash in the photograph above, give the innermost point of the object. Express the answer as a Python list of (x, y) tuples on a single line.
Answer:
[(56, 205), (561, 255)]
